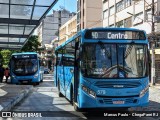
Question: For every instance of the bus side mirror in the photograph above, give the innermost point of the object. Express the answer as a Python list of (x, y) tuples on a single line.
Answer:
[(77, 45), (80, 52)]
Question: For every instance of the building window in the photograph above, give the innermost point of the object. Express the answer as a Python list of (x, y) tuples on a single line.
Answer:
[(105, 14), (148, 15), (78, 28), (120, 24), (78, 5), (120, 6), (157, 43), (112, 25), (128, 3), (78, 17), (111, 10), (128, 22), (104, 1)]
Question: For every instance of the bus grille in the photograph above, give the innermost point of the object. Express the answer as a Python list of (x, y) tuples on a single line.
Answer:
[(117, 84), (126, 101)]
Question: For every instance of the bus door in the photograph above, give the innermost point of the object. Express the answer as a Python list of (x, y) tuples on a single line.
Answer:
[(69, 67), (68, 74), (63, 75), (60, 73), (76, 68), (55, 70)]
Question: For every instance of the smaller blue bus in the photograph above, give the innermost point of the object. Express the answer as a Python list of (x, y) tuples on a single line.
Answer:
[(25, 68)]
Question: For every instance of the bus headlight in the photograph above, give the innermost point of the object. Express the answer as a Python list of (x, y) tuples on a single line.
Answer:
[(88, 91), (144, 91), (36, 75), (14, 77)]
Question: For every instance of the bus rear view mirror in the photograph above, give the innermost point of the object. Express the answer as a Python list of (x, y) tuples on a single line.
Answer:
[(71, 70)]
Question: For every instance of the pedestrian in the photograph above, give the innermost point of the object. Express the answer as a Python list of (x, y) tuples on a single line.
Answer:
[(1, 73), (6, 73)]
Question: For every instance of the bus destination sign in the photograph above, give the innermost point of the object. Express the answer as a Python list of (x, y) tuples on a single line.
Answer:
[(109, 35), (24, 56), (120, 35)]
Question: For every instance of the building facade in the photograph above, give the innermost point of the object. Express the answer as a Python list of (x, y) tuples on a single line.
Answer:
[(49, 27), (89, 14), (135, 14), (68, 30), (48, 30)]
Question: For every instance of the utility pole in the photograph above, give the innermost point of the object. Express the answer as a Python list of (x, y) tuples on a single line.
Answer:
[(153, 48)]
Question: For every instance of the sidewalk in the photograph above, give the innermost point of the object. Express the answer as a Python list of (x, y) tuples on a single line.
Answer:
[(11, 94), (157, 85), (154, 100)]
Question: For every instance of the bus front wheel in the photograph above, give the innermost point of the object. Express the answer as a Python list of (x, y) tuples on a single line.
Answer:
[(76, 107)]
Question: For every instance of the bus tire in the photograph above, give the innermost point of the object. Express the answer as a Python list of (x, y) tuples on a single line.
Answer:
[(72, 100), (76, 107), (37, 83), (59, 93), (71, 94)]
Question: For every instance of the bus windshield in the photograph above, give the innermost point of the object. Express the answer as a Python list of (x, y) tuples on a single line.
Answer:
[(106, 60), (24, 66)]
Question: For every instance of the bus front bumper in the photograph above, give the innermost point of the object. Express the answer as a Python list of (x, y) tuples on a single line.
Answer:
[(28, 79), (87, 101)]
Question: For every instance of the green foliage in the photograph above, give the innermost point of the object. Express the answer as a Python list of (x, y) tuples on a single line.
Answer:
[(1, 58), (5, 56), (31, 45)]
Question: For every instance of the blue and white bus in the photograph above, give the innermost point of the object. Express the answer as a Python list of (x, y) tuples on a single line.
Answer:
[(104, 68), (25, 68)]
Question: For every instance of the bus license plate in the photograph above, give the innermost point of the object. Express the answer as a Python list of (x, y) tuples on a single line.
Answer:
[(118, 102), (25, 82)]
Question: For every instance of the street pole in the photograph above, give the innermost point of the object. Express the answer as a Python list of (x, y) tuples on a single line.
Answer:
[(153, 48)]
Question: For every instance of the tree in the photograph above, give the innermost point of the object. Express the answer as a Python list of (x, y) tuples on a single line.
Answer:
[(5, 54), (1, 58), (31, 45)]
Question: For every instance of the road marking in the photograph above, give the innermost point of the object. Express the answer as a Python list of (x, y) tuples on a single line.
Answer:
[(2, 84), (46, 80), (2, 92), (1, 108)]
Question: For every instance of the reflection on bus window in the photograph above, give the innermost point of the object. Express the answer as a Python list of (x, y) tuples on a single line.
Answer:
[(25, 66), (114, 60)]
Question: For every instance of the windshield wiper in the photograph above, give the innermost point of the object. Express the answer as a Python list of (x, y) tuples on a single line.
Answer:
[(101, 44)]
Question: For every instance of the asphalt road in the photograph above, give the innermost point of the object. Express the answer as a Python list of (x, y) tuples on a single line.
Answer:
[(44, 101)]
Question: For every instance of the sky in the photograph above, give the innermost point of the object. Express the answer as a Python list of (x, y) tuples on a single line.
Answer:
[(70, 5)]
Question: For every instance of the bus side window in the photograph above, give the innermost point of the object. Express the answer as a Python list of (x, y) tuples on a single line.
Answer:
[(61, 61), (40, 64)]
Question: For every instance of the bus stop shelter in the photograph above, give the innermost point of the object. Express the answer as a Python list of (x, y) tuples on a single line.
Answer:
[(19, 19)]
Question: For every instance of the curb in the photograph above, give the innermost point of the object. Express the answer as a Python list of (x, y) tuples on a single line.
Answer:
[(9, 105)]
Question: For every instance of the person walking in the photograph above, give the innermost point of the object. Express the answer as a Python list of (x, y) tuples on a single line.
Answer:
[(1, 73), (6, 73)]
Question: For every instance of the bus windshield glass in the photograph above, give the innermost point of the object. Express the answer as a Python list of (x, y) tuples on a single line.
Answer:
[(106, 60), (25, 66)]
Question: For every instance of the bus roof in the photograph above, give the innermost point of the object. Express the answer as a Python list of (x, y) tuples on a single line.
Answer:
[(82, 32), (24, 53), (113, 28)]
